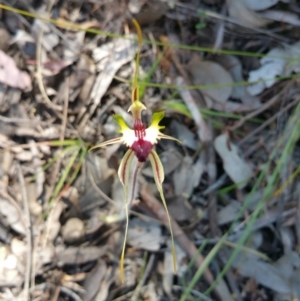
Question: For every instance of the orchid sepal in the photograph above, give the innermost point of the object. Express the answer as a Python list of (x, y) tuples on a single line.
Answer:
[(159, 176), (108, 142), (127, 173)]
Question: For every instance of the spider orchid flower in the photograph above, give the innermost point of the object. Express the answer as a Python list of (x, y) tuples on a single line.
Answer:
[(140, 141)]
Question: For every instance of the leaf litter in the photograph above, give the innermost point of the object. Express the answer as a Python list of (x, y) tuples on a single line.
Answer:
[(234, 167)]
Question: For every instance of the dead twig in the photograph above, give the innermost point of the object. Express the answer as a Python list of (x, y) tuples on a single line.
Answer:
[(202, 128), (28, 233)]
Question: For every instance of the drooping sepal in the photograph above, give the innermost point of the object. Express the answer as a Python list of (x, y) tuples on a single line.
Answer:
[(159, 176), (129, 184)]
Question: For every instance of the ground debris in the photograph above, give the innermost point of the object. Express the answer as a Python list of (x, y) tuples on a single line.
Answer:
[(226, 73)]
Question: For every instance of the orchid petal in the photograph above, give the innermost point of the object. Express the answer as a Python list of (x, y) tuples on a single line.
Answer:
[(158, 172), (128, 137), (124, 176), (121, 123), (153, 133), (156, 118)]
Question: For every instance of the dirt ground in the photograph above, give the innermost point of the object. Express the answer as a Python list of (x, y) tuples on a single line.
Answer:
[(226, 75)]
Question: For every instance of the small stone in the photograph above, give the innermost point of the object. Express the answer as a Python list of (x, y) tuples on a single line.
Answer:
[(73, 230)]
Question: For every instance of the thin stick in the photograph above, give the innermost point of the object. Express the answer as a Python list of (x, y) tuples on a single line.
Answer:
[(28, 234)]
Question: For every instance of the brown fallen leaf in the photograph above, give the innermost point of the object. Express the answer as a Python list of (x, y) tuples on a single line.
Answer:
[(233, 65), (145, 235), (180, 208), (93, 280), (5, 39), (211, 73), (239, 10), (235, 166), (79, 255), (150, 12), (258, 5), (10, 75)]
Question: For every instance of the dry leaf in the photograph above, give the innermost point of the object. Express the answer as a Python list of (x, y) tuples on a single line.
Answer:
[(237, 169), (135, 6), (93, 280), (12, 216), (185, 135), (188, 176), (79, 255), (73, 46), (9, 267), (260, 4), (293, 53), (168, 271), (239, 10), (266, 274), (228, 213), (233, 65), (282, 17), (274, 64), (50, 39), (211, 73), (5, 39), (150, 12), (144, 235), (203, 131), (179, 208), (10, 75), (110, 58)]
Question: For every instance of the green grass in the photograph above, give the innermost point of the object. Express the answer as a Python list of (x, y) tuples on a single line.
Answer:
[(73, 152)]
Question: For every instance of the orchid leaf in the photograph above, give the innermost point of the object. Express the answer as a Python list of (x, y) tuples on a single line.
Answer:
[(159, 175)]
